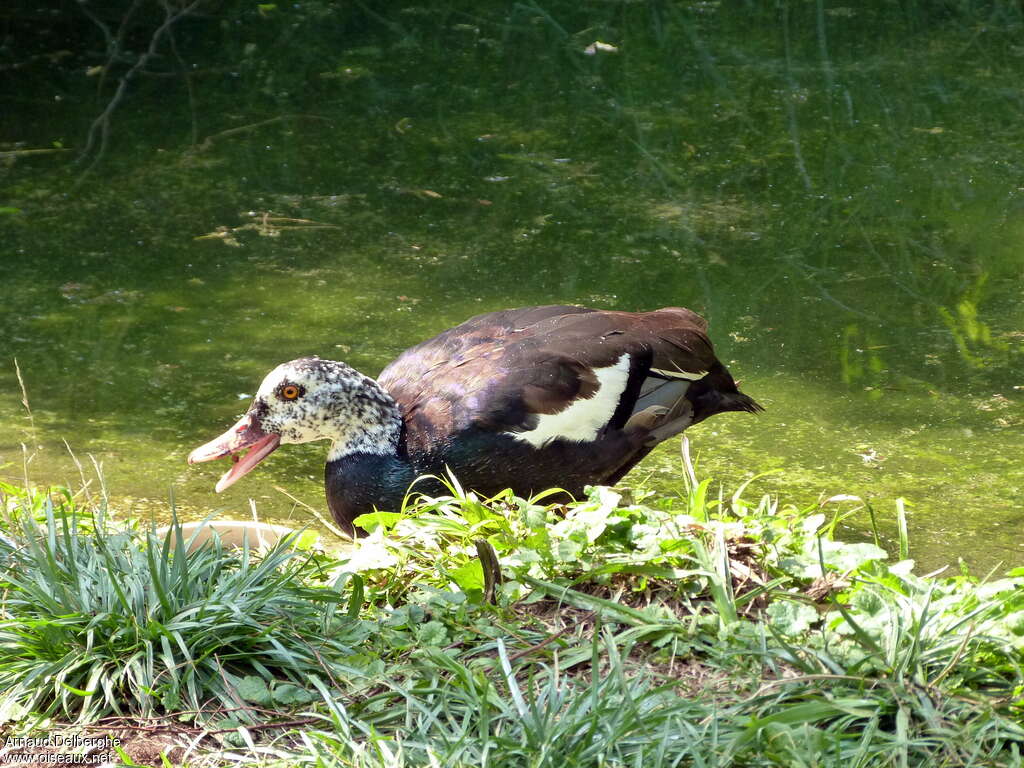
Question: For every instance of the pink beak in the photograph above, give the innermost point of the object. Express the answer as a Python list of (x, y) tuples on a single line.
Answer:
[(245, 434)]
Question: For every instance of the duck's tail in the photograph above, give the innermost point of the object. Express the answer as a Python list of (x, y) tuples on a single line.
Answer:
[(717, 393)]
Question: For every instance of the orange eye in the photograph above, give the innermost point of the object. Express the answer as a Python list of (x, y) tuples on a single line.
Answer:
[(290, 391)]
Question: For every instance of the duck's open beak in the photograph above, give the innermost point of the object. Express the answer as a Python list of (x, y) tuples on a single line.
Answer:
[(245, 434)]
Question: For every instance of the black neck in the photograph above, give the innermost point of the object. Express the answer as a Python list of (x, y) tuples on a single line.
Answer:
[(358, 482)]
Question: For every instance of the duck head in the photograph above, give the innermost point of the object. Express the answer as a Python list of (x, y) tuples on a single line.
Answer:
[(301, 401)]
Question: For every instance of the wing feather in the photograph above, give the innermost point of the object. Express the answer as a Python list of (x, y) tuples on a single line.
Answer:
[(501, 371)]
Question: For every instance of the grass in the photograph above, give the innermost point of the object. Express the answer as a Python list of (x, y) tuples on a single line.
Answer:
[(704, 630), (100, 618)]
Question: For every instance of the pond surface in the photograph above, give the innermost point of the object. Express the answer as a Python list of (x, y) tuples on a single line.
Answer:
[(838, 189)]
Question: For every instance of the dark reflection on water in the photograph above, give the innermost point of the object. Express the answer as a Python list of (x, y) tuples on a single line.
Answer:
[(837, 188)]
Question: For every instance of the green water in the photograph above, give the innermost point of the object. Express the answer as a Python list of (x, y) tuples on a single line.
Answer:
[(839, 189)]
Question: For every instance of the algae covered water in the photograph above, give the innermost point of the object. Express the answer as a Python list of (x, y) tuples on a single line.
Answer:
[(838, 189)]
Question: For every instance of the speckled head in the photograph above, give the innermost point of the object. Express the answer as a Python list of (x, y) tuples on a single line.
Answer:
[(304, 400)]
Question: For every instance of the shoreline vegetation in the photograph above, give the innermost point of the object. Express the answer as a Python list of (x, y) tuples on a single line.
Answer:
[(629, 628)]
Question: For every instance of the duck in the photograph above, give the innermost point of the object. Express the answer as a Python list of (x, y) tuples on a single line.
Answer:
[(530, 399)]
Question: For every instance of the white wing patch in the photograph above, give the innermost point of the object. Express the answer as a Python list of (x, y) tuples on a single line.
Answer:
[(584, 418), (680, 374)]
